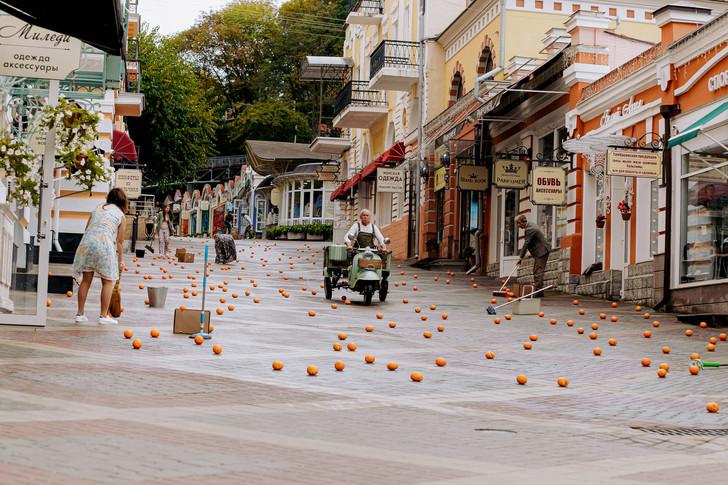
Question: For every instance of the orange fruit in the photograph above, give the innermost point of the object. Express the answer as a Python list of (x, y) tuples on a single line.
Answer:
[(69, 294), (199, 340), (582, 311), (661, 373), (222, 300), (703, 325), (647, 334), (392, 324), (351, 346), (256, 300), (379, 316), (49, 302), (137, 344), (527, 345), (688, 333), (614, 319), (570, 323), (369, 359), (521, 379), (508, 317), (562, 381), (580, 331), (665, 349), (339, 365), (219, 311), (217, 349), (342, 336), (311, 314), (646, 316), (597, 351), (595, 326), (440, 362), (444, 316), (665, 366), (490, 355), (493, 301), (433, 307), (646, 362), (416, 377), (369, 328), (713, 340), (638, 308), (337, 347), (418, 309), (603, 316), (334, 306), (710, 348), (441, 328), (614, 304), (694, 356), (141, 287), (712, 407), (541, 314), (128, 333), (392, 366), (405, 300), (497, 321), (612, 342), (423, 318), (593, 335), (312, 370), (723, 337), (533, 338), (574, 302), (694, 370), (656, 324), (427, 334), (154, 333)]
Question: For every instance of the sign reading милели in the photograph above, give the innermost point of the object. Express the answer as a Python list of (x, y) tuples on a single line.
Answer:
[(510, 174), (471, 177), (628, 162), (130, 181), (390, 180), (30, 51), (548, 186)]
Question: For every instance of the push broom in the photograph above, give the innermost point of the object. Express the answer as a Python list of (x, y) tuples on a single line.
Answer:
[(492, 309), (701, 364), (502, 291), (202, 333)]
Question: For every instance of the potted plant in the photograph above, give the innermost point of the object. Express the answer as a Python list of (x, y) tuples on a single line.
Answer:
[(318, 231), (601, 220), (21, 166), (296, 232), (625, 210)]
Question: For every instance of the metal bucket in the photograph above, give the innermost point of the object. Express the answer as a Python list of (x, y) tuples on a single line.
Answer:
[(157, 296), (140, 253)]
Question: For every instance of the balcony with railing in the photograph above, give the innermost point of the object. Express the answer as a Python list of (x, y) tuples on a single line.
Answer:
[(365, 12), (395, 65), (357, 106), (333, 141)]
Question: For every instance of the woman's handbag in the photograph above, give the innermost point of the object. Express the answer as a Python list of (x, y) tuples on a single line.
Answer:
[(115, 305)]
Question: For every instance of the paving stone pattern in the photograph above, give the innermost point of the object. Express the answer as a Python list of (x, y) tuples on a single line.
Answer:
[(79, 406)]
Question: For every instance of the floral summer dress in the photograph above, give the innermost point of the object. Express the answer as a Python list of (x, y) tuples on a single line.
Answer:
[(97, 250)]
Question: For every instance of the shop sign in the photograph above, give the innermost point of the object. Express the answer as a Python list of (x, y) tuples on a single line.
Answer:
[(510, 174), (471, 177), (627, 109), (440, 178), (630, 162), (719, 81), (548, 186), (130, 181), (30, 51), (390, 180)]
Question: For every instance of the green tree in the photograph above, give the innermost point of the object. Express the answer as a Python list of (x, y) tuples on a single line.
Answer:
[(176, 132), (270, 120)]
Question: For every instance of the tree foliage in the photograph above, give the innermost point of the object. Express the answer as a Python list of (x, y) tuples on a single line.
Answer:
[(270, 120), (176, 132)]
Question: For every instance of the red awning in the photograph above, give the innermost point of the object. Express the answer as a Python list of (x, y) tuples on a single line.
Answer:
[(123, 147), (395, 154)]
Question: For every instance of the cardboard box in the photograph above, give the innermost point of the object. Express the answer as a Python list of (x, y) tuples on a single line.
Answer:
[(187, 258), (180, 252), (188, 321)]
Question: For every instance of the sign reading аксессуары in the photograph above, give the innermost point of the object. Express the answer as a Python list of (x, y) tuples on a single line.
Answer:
[(30, 51)]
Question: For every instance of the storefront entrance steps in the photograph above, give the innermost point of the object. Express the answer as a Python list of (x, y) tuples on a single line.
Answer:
[(454, 265)]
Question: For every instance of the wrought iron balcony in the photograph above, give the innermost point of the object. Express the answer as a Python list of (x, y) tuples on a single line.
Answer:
[(395, 65), (330, 140), (365, 12), (357, 106)]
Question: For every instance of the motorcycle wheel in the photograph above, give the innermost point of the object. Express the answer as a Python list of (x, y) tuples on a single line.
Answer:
[(368, 297), (328, 289), (383, 290)]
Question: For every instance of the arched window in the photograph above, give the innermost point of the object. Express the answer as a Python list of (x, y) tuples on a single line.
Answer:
[(456, 88), (485, 64)]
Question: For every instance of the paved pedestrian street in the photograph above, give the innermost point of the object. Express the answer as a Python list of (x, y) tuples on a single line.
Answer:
[(79, 405)]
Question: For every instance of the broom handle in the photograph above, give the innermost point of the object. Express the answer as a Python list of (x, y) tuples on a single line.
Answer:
[(524, 296), (509, 277), (204, 291)]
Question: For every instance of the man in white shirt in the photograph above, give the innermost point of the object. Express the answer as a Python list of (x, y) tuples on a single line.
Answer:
[(365, 233)]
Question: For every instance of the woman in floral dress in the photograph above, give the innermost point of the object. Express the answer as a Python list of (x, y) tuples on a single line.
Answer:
[(100, 252)]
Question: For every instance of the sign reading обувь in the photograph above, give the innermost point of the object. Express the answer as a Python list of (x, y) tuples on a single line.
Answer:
[(30, 51)]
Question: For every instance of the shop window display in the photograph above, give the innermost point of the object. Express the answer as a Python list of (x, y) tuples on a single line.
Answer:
[(704, 214)]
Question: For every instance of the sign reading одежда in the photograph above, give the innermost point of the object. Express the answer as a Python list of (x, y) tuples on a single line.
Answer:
[(510, 174), (548, 186), (130, 181), (390, 180), (30, 51), (630, 162), (471, 177)]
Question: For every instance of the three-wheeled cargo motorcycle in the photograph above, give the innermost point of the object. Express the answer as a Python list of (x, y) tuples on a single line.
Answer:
[(364, 270)]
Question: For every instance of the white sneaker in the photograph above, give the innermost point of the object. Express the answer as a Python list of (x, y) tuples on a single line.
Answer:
[(81, 319), (107, 321)]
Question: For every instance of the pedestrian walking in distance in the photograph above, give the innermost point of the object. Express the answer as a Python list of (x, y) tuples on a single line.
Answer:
[(164, 229), (538, 246), (100, 253)]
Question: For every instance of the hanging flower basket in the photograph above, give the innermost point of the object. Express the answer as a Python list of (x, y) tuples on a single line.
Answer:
[(625, 210), (601, 220), (22, 168)]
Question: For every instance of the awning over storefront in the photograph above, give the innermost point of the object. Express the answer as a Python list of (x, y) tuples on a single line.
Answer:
[(394, 155), (105, 31), (123, 147), (694, 130), (595, 144)]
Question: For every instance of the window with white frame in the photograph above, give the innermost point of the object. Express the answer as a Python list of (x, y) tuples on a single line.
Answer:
[(654, 215), (553, 220), (306, 201), (704, 216)]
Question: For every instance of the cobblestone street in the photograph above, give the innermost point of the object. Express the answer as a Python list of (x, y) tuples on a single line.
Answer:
[(79, 405)]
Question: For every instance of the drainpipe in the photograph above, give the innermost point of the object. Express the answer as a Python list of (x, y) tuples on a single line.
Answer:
[(420, 133), (56, 212), (501, 55), (667, 112)]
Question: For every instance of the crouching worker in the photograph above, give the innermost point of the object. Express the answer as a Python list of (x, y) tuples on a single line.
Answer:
[(224, 249), (538, 246)]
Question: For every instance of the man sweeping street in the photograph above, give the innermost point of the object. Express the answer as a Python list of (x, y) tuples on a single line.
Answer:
[(538, 246)]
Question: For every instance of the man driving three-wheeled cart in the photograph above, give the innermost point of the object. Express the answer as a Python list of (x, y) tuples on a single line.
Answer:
[(361, 264)]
